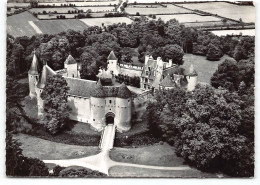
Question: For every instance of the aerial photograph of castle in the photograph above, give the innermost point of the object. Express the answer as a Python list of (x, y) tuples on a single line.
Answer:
[(130, 88)]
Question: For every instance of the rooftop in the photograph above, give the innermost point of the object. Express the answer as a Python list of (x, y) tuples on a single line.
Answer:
[(70, 60), (112, 56)]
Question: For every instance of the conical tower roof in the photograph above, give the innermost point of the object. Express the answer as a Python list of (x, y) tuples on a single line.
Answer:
[(123, 91), (34, 66), (43, 78), (98, 90), (192, 71), (70, 60), (112, 56), (167, 82)]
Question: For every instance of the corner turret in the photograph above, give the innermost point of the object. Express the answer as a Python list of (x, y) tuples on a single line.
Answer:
[(112, 66), (192, 78), (123, 92), (72, 67), (33, 76)]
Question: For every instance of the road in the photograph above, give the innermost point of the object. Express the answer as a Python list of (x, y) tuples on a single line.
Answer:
[(102, 162)]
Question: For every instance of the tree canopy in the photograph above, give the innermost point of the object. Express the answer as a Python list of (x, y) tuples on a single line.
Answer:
[(55, 96)]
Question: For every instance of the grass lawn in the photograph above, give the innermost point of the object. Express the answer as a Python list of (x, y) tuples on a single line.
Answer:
[(204, 67), (126, 171), (156, 155), (43, 149), (92, 3), (17, 25), (105, 9)]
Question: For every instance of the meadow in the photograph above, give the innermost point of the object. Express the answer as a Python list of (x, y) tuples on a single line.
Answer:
[(54, 16), (57, 26), (250, 32), (170, 9), (106, 21), (93, 3), (18, 25), (182, 18), (97, 8), (58, 10), (18, 4), (246, 13)]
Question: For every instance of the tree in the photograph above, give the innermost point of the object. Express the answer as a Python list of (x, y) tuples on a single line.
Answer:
[(55, 97), (226, 76), (18, 165), (214, 53), (173, 52)]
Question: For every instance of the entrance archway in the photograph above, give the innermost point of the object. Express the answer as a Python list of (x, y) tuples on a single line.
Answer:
[(110, 116)]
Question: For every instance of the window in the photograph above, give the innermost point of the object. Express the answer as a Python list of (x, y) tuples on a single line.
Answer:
[(146, 73), (110, 101), (72, 75), (93, 119), (146, 80)]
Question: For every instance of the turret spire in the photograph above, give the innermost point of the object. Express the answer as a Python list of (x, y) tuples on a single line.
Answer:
[(34, 66)]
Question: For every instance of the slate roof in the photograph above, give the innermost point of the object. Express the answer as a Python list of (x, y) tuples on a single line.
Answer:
[(80, 87), (112, 56), (34, 66), (46, 72), (70, 60), (97, 90), (168, 82), (123, 92)]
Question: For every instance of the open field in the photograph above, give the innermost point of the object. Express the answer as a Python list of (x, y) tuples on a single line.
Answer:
[(58, 10), (57, 26), (204, 67), (182, 18), (250, 32), (247, 13), (94, 3), (170, 9), (54, 16), (18, 4), (97, 8), (106, 21), (18, 25)]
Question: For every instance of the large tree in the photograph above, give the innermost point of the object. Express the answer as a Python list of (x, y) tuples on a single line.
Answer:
[(55, 97), (227, 75), (173, 52)]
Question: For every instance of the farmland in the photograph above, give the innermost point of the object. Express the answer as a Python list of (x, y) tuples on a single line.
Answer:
[(58, 10), (170, 9), (57, 26), (18, 25), (93, 3), (250, 32), (106, 21), (247, 13), (182, 18), (97, 8), (18, 4)]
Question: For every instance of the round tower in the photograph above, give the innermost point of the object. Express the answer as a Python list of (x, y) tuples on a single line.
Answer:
[(33, 76), (123, 109), (97, 103), (39, 88), (112, 64), (192, 79)]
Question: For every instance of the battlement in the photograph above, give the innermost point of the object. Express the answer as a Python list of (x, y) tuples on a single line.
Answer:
[(132, 67)]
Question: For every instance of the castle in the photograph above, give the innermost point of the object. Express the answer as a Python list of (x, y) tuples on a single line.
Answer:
[(101, 105)]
